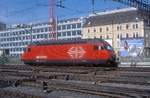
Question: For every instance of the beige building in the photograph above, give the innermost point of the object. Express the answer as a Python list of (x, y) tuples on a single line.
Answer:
[(114, 25)]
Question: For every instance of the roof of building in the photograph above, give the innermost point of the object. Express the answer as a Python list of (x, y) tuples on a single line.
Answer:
[(28, 26), (113, 18)]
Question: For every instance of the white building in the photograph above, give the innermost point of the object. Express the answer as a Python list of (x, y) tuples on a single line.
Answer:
[(18, 37)]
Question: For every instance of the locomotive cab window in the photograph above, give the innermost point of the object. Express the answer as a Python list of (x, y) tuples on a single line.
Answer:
[(98, 48), (109, 47)]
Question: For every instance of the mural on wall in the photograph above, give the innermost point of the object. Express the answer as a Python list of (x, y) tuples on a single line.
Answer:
[(131, 47)]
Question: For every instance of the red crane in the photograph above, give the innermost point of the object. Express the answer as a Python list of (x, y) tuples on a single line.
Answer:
[(53, 25)]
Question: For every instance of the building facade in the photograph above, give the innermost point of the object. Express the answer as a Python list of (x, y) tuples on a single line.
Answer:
[(115, 26), (118, 27), (18, 37)]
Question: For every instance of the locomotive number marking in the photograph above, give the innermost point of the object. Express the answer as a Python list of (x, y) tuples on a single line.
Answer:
[(76, 52)]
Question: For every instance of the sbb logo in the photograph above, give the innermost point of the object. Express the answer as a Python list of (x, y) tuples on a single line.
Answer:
[(76, 52)]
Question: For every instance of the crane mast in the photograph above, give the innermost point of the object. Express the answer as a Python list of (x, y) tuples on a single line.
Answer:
[(53, 31)]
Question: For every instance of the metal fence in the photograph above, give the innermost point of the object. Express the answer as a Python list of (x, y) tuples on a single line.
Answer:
[(13, 61), (124, 61), (135, 61)]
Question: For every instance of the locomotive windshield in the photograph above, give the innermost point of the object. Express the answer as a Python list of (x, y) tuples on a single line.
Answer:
[(103, 47), (108, 47)]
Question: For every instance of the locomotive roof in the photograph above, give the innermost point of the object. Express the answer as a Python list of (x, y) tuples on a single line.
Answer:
[(70, 41)]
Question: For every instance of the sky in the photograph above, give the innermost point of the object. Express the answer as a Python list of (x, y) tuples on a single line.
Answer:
[(35, 11)]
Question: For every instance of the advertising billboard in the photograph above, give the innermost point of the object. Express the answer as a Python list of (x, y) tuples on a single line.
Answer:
[(131, 47)]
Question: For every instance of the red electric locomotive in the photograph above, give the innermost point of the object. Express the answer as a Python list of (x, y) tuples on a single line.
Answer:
[(70, 52)]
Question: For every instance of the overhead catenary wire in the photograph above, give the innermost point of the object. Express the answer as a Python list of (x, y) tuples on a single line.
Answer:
[(38, 4), (19, 11), (60, 4)]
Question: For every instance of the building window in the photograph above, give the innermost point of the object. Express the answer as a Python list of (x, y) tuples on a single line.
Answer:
[(59, 34), (63, 27), (45, 36), (59, 28), (79, 32), (94, 30), (38, 36), (49, 29), (148, 22), (133, 26), (137, 35), (68, 26), (34, 31), (23, 38), (50, 35), (19, 38), (118, 44), (38, 30), (100, 29), (133, 35), (64, 33), (73, 26), (127, 26), (79, 25), (136, 26), (34, 36), (107, 29), (41, 36), (20, 32), (107, 36), (46, 29), (74, 33), (12, 33), (101, 37), (118, 36), (127, 35), (88, 30), (118, 28), (68, 33)]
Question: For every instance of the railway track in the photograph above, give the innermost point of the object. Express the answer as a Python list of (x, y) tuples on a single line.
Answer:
[(105, 82)]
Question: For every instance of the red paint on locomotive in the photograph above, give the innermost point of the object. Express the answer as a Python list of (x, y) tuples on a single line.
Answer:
[(73, 52)]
